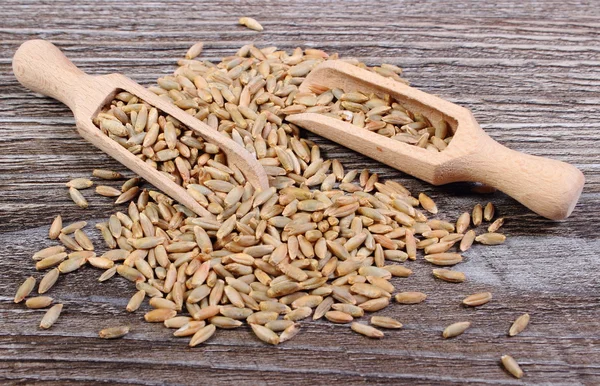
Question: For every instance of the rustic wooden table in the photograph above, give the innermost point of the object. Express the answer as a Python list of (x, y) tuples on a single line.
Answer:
[(529, 70)]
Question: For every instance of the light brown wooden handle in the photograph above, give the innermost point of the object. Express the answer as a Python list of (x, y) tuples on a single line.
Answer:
[(41, 67), (548, 187)]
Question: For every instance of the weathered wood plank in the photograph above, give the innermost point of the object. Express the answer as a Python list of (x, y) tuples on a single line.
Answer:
[(530, 71)]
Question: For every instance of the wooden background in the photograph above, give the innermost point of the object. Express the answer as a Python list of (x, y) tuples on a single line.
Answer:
[(529, 70)]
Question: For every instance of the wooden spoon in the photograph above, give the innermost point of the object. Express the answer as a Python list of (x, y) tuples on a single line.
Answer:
[(548, 187), (41, 66)]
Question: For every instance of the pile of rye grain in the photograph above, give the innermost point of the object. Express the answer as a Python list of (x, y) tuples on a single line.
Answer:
[(323, 241)]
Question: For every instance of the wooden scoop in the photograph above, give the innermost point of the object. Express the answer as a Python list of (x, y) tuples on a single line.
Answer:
[(41, 66), (548, 187)]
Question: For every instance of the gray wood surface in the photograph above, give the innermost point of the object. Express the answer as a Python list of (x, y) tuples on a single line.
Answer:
[(529, 70)]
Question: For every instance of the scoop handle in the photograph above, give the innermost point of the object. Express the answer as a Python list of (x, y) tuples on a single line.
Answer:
[(548, 187), (41, 67)]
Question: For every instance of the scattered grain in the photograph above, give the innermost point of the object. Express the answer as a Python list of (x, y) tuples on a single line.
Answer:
[(444, 259), (455, 329), (107, 174), (467, 240), (338, 317), (463, 222), (202, 335), (114, 332), (477, 214), (511, 365), (24, 289), (47, 252), (385, 322), (366, 330), (48, 280), (194, 50), (250, 23), (477, 299), (107, 191), (79, 183), (289, 333), (51, 316), (38, 302), (264, 334), (410, 297), (449, 275), (427, 203), (488, 212), (55, 228), (519, 325), (491, 238), (136, 301), (496, 225), (159, 315)]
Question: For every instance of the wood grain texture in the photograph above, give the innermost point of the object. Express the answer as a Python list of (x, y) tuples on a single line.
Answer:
[(530, 72)]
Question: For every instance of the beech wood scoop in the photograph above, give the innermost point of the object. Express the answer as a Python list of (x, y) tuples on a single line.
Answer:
[(41, 67), (548, 187)]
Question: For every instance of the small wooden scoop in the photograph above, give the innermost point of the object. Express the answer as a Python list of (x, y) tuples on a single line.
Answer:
[(41, 66), (548, 187)]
